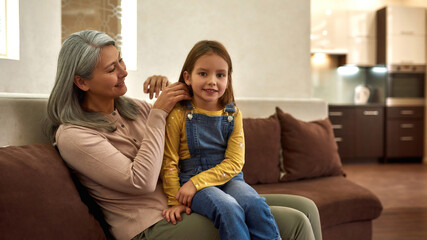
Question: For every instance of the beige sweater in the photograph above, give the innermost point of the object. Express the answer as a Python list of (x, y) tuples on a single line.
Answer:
[(121, 169)]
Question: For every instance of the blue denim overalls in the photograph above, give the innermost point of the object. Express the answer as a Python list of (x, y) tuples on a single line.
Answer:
[(235, 208)]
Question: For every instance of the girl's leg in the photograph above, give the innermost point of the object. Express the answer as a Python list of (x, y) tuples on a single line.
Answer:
[(259, 219), (302, 204), (223, 210)]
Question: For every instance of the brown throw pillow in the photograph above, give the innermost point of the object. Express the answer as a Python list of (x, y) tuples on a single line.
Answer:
[(262, 150), (309, 148), (38, 198)]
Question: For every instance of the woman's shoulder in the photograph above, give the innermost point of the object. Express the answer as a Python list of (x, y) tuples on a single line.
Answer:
[(71, 131), (141, 104)]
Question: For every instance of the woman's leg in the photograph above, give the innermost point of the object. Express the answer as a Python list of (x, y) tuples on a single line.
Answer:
[(223, 210), (302, 204), (193, 226), (258, 216)]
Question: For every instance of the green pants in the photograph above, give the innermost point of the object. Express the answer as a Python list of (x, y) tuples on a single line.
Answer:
[(297, 218)]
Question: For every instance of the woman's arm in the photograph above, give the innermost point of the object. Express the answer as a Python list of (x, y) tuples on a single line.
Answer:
[(91, 154)]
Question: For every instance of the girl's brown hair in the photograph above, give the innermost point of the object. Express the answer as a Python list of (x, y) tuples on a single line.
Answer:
[(209, 47)]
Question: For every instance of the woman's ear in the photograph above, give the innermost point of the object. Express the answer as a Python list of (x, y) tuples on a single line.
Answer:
[(81, 83), (187, 78)]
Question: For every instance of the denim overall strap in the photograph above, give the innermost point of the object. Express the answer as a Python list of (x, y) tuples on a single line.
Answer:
[(207, 138)]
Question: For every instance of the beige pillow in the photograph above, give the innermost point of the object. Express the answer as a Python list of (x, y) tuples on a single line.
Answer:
[(309, 148)]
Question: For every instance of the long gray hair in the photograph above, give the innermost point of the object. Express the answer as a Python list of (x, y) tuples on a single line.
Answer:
[(78, 56)]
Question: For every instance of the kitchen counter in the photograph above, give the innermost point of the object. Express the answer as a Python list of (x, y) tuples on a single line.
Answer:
[(356, 105)]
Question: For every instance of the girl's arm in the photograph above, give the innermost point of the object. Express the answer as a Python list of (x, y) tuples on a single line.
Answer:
[(169, 172), (231, 165)]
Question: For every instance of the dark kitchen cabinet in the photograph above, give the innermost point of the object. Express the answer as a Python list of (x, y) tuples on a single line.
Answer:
[(404, 132), (359, 131)]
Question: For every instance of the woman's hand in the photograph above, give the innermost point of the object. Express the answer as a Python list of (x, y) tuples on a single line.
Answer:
[(170, 95), (174, 213), (155, 84), (186, 193)]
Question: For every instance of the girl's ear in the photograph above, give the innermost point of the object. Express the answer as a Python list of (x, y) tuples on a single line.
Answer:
[(187, 78), (81, 83)]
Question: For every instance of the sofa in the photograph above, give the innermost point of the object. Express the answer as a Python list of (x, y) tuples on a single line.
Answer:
[(290, 149)]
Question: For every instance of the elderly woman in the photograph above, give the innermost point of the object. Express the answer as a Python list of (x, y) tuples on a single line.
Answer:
[(115, 145)]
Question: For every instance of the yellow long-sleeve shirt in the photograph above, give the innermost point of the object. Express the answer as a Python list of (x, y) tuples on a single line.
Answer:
[(176, 149)]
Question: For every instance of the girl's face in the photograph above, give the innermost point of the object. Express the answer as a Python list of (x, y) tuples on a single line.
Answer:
[(209, 80), (108, 80)]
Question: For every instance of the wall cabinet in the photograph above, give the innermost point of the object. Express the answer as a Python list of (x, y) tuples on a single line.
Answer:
[(404, 132), (405, 21), (401, 35), (328, 31), (402, 49), (361, 38), (358, 131)]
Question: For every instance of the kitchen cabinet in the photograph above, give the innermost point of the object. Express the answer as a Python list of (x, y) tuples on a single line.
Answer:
[(402, 49), (328, 31), (343, 125), (404, 132), (405, 21), (361, 46), (361, 51), (401, 35), (358, 131)]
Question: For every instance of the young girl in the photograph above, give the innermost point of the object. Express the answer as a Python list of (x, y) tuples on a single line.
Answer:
[(204, 152)]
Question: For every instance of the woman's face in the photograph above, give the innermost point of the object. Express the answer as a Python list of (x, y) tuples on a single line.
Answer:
[(108, 77)]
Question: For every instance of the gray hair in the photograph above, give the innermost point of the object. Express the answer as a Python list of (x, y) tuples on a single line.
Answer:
[(79, 55)]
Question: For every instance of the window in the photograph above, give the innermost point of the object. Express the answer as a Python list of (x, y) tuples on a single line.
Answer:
[(9, 29), (117, 18)]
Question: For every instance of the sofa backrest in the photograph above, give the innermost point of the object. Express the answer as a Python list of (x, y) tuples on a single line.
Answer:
[(21, 119), (22, 115), (306, 109)]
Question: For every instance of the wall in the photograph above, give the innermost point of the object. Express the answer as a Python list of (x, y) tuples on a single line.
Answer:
[(268, 42), (40, 36)]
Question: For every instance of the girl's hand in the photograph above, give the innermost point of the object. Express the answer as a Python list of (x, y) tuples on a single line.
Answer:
[(171, 95), (173, 213), (186, 193), (155, 84)]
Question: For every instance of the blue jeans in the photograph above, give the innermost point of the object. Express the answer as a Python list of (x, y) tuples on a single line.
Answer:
[(237, 211), (235, 208)]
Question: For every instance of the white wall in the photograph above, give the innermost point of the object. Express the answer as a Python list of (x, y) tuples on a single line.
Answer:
[(268, 42), (40, 41)]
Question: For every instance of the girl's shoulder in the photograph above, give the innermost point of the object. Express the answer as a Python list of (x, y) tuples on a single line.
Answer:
[(178, 112)]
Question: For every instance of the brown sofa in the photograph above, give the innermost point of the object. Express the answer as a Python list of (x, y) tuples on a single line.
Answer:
[(40, 200)]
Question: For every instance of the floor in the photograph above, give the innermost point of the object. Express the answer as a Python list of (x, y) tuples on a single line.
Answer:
[(402, 189)]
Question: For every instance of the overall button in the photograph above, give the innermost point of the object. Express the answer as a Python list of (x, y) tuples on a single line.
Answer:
[(123, 126), (114, 113)]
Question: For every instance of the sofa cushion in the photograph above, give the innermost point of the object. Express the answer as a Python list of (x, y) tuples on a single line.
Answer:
[(338, 199), (262, 150), (309, 148), (39, 199)]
